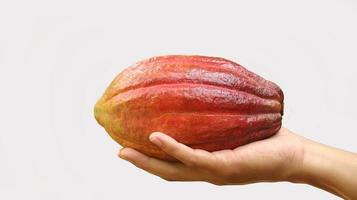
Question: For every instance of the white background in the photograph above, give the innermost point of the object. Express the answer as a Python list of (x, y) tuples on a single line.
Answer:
[(57, 57)]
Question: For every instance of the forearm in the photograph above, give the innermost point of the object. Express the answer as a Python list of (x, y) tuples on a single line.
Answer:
[(328, 168)]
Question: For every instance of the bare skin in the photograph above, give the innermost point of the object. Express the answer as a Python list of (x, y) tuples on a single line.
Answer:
[(283, 157)]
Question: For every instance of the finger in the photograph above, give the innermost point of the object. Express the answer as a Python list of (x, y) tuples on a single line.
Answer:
[(167, 170), (185, 154)]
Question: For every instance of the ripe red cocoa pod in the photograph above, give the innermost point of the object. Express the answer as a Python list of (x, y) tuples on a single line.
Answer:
[(204, 102)]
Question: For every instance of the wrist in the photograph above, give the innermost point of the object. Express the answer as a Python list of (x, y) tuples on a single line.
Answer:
[(325, 167), (305, 171)]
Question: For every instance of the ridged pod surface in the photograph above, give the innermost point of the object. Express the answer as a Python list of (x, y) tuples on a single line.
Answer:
[(204, 102)]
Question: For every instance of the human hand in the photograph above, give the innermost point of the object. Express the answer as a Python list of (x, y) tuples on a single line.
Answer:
[(273, 159)]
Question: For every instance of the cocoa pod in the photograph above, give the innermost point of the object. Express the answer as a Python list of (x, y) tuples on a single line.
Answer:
[(204, 102)]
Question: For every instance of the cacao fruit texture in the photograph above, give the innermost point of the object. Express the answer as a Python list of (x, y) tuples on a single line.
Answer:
[(207, 103)]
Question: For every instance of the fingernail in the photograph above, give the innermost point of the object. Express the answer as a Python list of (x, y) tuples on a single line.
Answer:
[(155, 139), (122, 155)]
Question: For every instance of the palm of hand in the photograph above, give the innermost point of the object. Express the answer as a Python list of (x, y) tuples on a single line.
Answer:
[(272, 159)]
